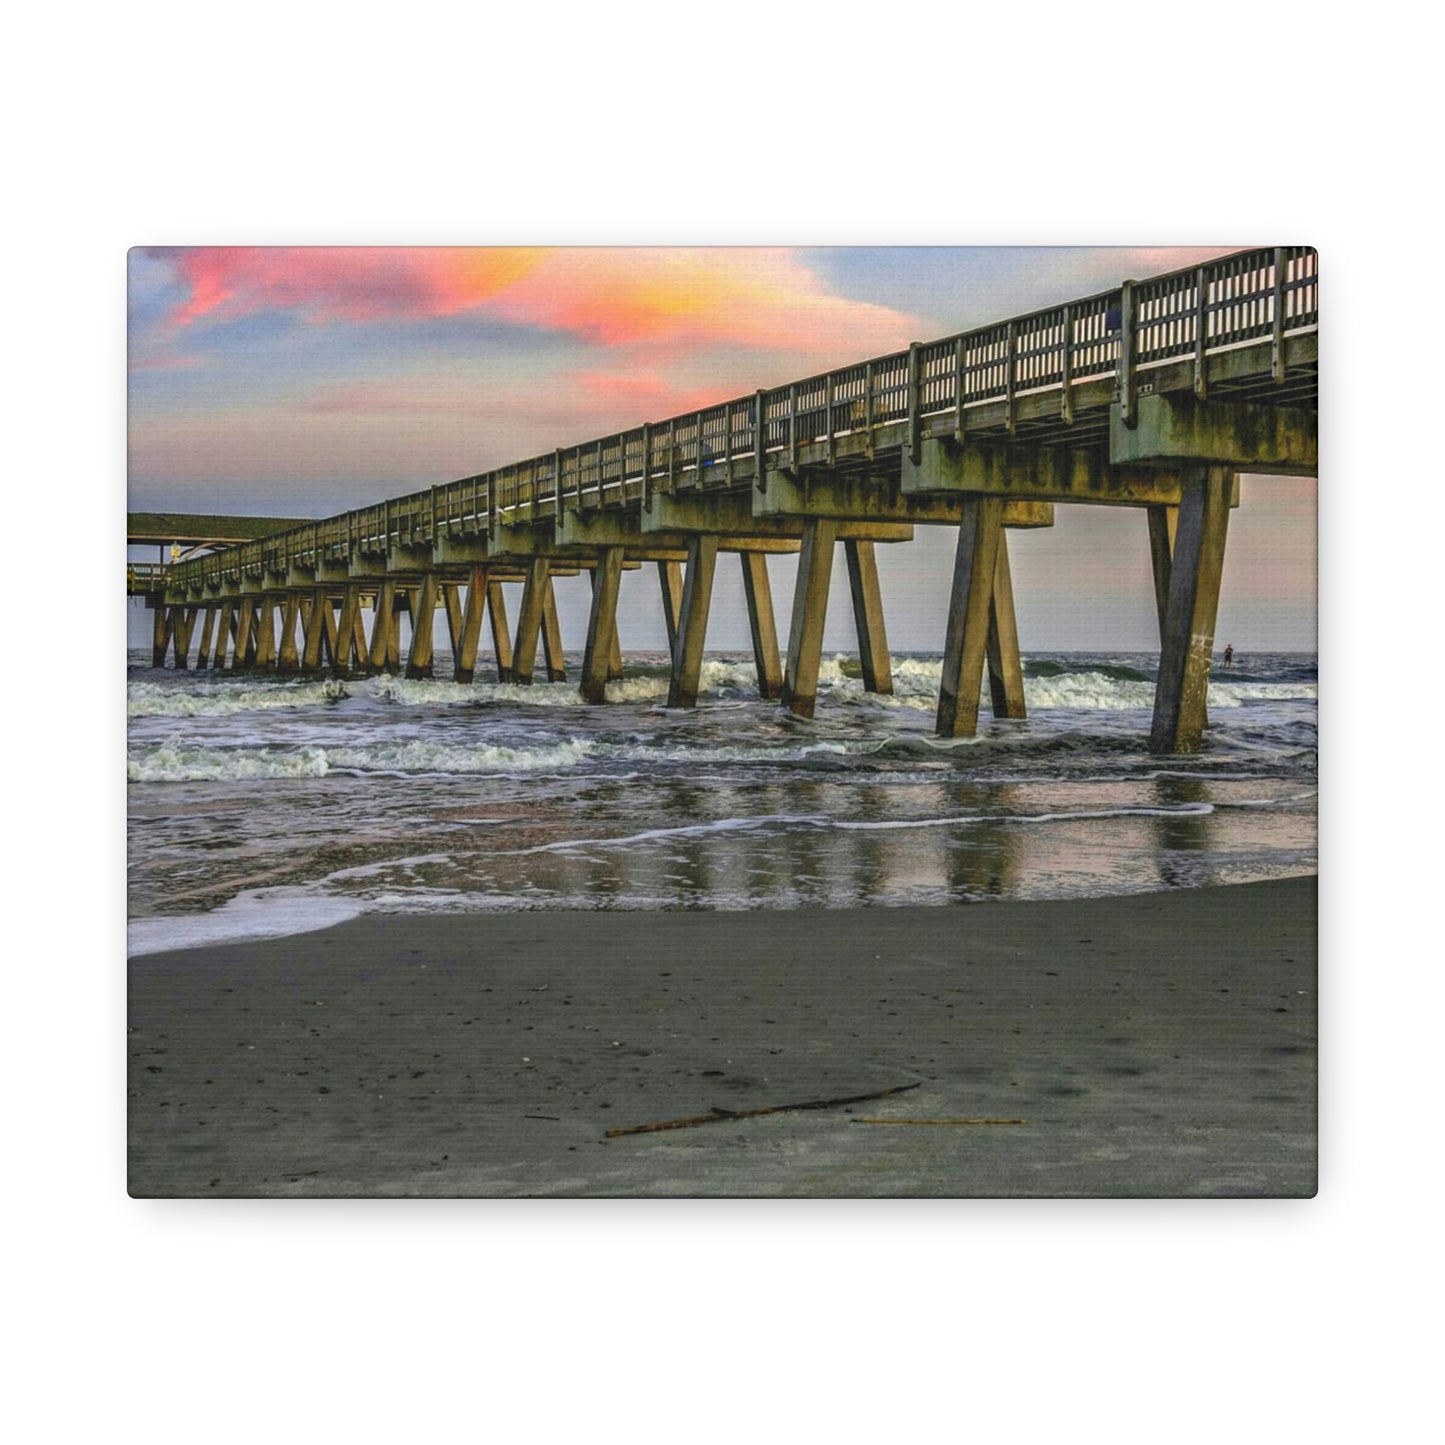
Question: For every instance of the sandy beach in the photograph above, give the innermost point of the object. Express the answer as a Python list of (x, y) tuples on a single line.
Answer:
[(1154, 1045)]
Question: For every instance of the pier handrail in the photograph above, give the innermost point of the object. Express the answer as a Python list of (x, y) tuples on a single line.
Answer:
[(1197, 311)]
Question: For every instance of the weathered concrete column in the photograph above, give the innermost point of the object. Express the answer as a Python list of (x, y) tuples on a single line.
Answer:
[(868, 615), (228, 625), (160, 635), (287, 659), (248, 635), (328, 626), (966, 641), (535, 591), (601, 625), (501, 633), (405, 602), (1005, 666), (692, 621), (1163, 528), (810, 612), (759, 593), (1163, 525), (383, 624), (552, 636), (350, 650), (182, 624), (470, 633), (314, 633), (266, 634), (669, 577), (208, 627), (451, 594), (423, 622), (1187, 646)]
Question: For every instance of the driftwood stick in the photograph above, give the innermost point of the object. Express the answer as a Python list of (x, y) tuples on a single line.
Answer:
[(718, 1116)]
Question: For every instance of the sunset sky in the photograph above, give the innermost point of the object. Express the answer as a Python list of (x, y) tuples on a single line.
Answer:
[(304, 381)]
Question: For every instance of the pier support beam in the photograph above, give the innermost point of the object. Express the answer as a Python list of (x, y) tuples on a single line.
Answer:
[(535, 591), (464, 647), (692, 621), (287, 658), (602, 625), (350, 649), (759, 593), (1163, 526), (266, 634), (358, 639), (383, 624), (1187, 645), (868, 615), (423, 622), (248, 635), (669, 577), (1005, 667), (810, 612), (451, 594), (160, 635), (182, 624), (313, 633), (501, 633), (552, 635), (208, 628), (228, 625), (969, 606)]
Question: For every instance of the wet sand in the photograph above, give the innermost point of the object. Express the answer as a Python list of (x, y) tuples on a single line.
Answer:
[(1160, 1044)]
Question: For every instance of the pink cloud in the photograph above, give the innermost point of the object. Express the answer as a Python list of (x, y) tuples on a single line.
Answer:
[(683, 298), (343, 283)]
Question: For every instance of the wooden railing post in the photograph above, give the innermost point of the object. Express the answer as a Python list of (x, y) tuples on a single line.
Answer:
[(1127, 385)]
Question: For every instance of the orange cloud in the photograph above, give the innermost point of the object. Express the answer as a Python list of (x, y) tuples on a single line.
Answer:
[(684, 298), (749, 297)]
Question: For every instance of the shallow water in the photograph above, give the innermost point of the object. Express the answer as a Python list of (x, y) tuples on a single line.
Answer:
[(271, 806)]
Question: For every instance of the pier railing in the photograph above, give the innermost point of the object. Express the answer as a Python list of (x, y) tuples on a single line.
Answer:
[(1200, 311)]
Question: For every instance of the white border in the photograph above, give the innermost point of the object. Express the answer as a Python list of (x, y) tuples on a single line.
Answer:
[(693, 1321)]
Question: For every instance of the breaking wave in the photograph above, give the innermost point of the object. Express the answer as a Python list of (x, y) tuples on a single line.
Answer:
[(147, 699)]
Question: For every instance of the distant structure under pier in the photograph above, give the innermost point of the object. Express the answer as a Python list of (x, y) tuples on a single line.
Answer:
[(1155, 395)]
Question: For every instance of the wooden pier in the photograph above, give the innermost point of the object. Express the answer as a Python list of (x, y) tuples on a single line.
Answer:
[(1155, 395)]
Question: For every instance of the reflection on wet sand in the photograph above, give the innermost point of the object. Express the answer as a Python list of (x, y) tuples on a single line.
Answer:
[(1181, 832)]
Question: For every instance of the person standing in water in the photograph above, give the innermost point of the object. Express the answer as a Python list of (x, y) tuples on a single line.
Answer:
[(1229, 654)]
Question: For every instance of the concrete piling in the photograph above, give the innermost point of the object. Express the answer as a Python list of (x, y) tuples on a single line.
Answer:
[(160, 634), (208, 625), (552, 634), (423, 622), (601, 625), (501, 634), (383, 625), (1005, 666), (810, 612), (350, 649), (692, 621), (266, 635), (868, 615), (970, 603), (287, 658), (669, 577), (757, 589), (465, 645), (313, 632), (535, 590), (1163, 528), (1187, 645)]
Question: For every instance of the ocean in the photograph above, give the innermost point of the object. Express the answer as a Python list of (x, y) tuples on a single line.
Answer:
[(261, 806)]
